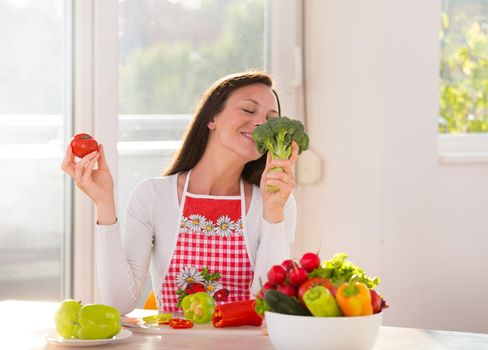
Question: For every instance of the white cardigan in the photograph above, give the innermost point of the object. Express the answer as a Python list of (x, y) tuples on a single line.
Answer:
[(151, 229)]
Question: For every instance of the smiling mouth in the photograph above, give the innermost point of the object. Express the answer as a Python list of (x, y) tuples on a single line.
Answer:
[(247, 135)]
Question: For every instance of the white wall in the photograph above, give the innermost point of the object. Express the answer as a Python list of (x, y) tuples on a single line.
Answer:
[(371, 81)]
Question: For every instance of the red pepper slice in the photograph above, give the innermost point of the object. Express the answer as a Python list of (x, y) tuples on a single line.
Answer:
[(180, 323), (240, 313)]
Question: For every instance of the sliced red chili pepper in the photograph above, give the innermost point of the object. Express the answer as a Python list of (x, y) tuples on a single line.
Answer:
[(180, 323)]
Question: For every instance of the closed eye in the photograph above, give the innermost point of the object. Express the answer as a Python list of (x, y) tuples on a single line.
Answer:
[(248, 111)]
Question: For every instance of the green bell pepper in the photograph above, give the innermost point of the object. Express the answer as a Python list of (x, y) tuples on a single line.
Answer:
[(98, 321), (66, 318), (321, 302), (198, 307), (158, 319)]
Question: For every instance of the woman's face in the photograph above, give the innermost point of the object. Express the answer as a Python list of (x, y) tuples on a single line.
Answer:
[(245, 109)]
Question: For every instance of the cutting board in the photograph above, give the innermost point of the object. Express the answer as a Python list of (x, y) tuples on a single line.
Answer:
[(206, 328)]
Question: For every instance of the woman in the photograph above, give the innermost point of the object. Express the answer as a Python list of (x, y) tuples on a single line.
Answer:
[(208, 224)]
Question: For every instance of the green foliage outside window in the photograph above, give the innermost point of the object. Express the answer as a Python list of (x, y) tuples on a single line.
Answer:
[(464, 74), (167, 69)]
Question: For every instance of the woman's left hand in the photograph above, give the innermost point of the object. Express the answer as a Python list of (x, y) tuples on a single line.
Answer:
[(274, 202)]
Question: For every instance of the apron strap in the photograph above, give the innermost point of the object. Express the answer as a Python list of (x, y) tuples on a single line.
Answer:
[(243, 200), (244, 223), (187, 181)]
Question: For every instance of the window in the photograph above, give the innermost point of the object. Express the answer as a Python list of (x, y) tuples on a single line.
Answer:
[(464, 67), (140, 69), (33, 118), (169, 53), (463, 90)]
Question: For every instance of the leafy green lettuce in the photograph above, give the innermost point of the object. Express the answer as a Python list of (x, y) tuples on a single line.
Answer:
[(339, 270)]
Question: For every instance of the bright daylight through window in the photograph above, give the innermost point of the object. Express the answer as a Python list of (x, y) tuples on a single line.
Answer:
[(33, 119)]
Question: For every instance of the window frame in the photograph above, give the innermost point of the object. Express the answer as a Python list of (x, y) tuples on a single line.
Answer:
[(463, 148), (67, 252), (95, 63)]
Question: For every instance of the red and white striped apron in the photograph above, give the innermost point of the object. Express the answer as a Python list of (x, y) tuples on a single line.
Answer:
[(211, 252)]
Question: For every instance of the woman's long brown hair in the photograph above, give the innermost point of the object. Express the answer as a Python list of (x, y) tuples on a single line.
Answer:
[(196, 135)]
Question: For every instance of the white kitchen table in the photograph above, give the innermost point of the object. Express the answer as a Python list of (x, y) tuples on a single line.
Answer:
[(24, 325)]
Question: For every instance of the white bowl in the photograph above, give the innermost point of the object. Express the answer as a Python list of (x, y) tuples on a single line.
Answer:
[(314, 333)]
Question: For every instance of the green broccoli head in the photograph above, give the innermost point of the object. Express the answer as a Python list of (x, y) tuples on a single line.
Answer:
[(264, 138), (277, 134), (300, 137)]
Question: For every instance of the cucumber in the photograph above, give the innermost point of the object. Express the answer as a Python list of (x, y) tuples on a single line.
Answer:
[(284, 304)]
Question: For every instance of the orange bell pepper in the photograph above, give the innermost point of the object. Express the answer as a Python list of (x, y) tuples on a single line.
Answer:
[(354, 299)]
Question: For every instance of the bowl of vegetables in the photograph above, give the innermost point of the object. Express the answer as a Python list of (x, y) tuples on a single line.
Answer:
[(314, 305), (337, 333)]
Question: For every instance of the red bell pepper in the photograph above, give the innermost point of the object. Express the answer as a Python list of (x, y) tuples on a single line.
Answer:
[(180, 323), (239, 313)]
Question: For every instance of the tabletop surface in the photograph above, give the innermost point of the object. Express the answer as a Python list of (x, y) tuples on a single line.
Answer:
[(24, 325)]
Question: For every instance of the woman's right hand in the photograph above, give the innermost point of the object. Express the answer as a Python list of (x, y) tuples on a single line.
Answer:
[(97, 183)]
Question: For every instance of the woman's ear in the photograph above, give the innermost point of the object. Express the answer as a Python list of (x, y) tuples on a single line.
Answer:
[(211, 125)]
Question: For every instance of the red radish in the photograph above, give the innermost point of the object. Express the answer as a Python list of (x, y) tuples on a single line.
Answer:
[(287, 289), (288, 264), (276, 275), (297, 276), (266, 287), (375, 301), (310, 261)]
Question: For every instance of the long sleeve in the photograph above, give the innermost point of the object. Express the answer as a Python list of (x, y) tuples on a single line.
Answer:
[(123, 260), (275, 242)]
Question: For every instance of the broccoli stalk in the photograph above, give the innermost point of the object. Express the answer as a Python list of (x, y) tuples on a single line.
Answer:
[(276, 135)]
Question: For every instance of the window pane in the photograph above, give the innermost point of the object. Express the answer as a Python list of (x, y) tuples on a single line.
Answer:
[(32, 94), (170, 53), (464, 66)]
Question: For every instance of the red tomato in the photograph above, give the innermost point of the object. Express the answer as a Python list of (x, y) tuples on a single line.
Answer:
[(276, 275), (83, 144), (179, 323), (310, 261), (316, 281)]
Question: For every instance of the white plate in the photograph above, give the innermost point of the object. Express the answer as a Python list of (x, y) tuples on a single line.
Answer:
[(55, 339)]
